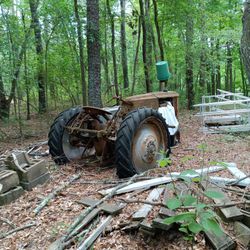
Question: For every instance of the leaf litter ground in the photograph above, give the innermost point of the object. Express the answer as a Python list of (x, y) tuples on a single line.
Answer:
[(60, 212)]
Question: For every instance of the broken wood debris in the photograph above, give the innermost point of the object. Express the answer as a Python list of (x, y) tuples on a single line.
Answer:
[(17, 229), (146, 219), (53, 194), (146, 208)]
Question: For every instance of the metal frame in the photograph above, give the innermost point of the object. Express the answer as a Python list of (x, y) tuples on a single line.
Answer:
[(225, 112)]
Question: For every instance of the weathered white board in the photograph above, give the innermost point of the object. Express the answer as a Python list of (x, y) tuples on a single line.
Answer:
[(146, 208)]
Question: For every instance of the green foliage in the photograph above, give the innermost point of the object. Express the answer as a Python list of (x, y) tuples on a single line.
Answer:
[(213, 194)]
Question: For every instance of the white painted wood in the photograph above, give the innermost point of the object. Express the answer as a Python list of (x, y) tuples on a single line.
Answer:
[(158, 181), (232, 168), (139, 185), (226, 129), (224, 112), (226, 119), (239, 95), (90, 240), (223, 103), (211, 169), (221, 180), (146, 208)]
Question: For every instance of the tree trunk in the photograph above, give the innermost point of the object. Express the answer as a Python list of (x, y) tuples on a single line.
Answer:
[(136, 54), (189, 61), (243, 78), (146, 41), (112, 25), (80, 43), (218, 73), (158, 30), (105, 56), (40, 59), (94, 58), (229, 69), (4, 103), (245, 39), (124, 45)]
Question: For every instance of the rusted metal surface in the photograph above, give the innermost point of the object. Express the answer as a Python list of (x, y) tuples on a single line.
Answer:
[(147, 144), (93, 131)]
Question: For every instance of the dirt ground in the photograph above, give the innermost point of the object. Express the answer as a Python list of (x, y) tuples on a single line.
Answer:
[(55, 218)]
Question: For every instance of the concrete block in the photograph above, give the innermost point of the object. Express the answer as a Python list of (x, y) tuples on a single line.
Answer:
[(243, 233), (9, 179), (39, 180), (11, 195), (33, 171)]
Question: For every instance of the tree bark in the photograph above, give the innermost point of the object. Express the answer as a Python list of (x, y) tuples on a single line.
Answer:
[(189, 61), (245, 39), (124, 45), (218, 73), (229, 69), (146, 41), (136, 54), (159, 37), (40, 55), (4, 101), (112, 25), (80, 43), (94, 57)]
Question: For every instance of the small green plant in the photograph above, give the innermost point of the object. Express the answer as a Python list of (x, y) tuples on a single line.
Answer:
[(199, 215)]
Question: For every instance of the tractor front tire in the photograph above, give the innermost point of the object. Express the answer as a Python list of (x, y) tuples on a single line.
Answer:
[(57, 130), (141, 138)]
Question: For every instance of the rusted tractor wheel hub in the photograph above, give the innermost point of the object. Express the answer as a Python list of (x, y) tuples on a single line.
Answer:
[(149, 147)]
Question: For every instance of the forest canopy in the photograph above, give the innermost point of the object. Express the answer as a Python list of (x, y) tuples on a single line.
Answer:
[(64, 53)]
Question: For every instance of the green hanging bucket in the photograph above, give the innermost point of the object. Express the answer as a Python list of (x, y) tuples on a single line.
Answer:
[(162, 69)]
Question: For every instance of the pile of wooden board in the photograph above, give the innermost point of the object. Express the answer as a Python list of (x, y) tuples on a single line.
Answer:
[(149, 218), (225, 112)]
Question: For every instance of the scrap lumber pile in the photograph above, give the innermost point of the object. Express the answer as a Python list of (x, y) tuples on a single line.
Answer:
[(225, 112), (100, 216)]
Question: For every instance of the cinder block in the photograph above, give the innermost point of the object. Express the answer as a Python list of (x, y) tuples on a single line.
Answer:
[(17, 161), (9, 179), (33, 172), (39, 180), (11, 195), (28, 170)]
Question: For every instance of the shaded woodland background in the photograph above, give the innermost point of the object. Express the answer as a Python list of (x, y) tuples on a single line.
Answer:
[(58, 54)]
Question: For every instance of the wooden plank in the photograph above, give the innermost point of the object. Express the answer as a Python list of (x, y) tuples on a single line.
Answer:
[(224, 112), (159, 223), (232, 168), (226, 129), (239, 95), (215, 241), (229, 213), (91, 239), (222, 180), (86, 221), (201, 171), (164, 211), (139, 185), (223, 103), (223, 242), (146, 208), (223, 120), (242, 233), (106, 207)]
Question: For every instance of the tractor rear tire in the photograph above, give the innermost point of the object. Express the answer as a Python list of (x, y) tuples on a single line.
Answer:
[(55, 137), (142, 135)]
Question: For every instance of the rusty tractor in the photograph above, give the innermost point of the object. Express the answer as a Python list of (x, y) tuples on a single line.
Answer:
[(130, 135)]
